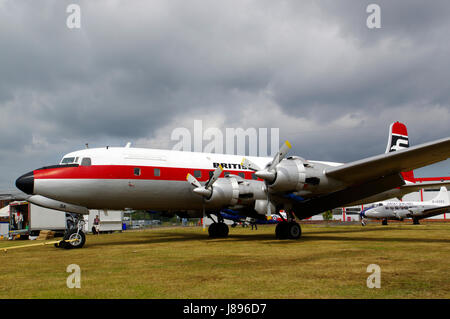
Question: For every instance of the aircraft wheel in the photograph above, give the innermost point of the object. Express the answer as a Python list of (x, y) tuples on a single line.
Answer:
[(416, 221), (294, 231), (212, 230), (218, 230), (384, 222), (225, 230), (281, 230), (78, 237)]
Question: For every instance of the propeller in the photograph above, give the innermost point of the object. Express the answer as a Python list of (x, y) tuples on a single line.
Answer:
[(269, 173), (204, 191)]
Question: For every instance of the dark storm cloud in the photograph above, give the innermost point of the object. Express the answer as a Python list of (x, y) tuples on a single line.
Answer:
[(136, 71)]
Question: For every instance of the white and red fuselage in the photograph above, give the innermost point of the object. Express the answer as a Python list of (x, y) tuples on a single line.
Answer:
[(137, 178)]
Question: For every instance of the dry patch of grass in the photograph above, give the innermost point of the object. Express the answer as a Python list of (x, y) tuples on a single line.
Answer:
[(327, 262)]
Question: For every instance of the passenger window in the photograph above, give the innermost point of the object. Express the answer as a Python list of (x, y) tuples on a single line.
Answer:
[(157, 172), (241, 175), (197, 173), (137, 171), (86, 161), (254, 176)]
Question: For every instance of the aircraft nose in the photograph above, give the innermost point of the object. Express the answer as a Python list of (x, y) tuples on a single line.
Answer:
[(362, 214), (26, 183)]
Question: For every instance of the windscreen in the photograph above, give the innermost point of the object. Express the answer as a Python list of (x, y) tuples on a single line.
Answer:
[(69, 160)]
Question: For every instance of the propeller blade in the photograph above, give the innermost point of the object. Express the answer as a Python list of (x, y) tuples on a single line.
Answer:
[(250, 165), (214, 176), (193, 181), (280, 155)]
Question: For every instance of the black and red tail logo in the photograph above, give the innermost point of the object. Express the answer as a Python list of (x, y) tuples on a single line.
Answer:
[(398, 137)]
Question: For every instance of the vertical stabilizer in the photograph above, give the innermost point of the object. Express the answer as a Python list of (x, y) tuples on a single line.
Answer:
[(442, 198), (398, 140)]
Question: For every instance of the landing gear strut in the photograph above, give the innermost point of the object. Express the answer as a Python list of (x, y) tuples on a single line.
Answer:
[(218, 229), (288, 229), (416, 221), (74, 237)]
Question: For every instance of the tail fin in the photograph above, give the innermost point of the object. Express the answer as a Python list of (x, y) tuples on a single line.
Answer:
[(398, 139), (442, 197)]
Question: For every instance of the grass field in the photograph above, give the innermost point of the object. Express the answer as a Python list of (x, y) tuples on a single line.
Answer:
[(327, 262)]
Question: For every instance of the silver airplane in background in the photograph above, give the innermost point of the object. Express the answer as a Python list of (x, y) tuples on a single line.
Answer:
[(397, 210)]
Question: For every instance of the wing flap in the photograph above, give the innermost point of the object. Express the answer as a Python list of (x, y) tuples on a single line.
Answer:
[(435, 211)]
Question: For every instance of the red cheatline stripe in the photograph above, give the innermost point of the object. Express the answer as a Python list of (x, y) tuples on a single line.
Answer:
[(127, 172)]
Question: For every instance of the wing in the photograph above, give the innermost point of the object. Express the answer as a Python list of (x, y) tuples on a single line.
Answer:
[(372, 176), (435, 211), (391, 163)]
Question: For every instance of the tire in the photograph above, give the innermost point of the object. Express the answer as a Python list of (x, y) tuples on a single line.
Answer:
[(281, 230), (218, 230), (294, 231), (213, 230), (225, 230), (72, 234), (384, 222)]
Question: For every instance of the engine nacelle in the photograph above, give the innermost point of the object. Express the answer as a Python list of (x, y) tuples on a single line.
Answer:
[(234, 190), (290, 175), (413, 212)]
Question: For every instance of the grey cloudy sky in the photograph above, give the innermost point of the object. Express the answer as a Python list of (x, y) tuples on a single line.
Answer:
[(138, 69)]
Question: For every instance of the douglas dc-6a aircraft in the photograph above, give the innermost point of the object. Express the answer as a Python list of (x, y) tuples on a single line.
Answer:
[(194, 184), (391, 210)]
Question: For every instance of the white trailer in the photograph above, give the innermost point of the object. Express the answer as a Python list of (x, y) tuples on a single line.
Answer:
[(34, 219), (110, 220)]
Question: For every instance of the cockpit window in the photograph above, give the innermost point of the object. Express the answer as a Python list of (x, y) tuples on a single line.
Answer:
[(68, 160), (86, 161)]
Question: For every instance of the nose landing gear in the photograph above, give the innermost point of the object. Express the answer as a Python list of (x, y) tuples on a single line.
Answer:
[(74, 237)]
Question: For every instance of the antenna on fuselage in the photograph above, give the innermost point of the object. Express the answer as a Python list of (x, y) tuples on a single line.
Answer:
[(87, 145)]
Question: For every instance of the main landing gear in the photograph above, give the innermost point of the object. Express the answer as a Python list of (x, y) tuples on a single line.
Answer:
[(74, 237), (416, 221), (218, 229), (288, 229)]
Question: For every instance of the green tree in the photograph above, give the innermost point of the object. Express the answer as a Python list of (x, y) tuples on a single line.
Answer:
[(328, 215)]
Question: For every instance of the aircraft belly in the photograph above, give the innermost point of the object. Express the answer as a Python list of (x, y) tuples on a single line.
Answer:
[(120, 194)]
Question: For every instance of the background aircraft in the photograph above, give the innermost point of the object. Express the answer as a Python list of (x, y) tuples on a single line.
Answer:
[(395, 210)]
